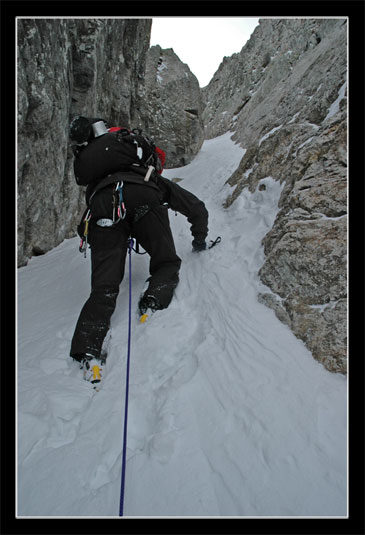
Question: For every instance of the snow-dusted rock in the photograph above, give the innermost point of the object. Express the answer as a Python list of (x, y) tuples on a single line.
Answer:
[(171, 106), (284, 96)]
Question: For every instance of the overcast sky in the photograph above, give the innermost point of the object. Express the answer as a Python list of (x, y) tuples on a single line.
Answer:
[(202, 42)]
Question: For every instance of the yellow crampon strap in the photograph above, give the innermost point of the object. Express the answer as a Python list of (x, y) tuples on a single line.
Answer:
[(83, 244), (96, 373), (143, 318), (86, 231)]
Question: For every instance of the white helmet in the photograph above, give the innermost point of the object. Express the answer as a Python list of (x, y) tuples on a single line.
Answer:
[(99, 128)]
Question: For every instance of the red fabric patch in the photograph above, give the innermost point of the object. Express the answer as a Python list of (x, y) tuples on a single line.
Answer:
[(162, 156)]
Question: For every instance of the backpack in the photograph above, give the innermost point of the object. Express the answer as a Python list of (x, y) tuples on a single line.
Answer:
[(121, 150)]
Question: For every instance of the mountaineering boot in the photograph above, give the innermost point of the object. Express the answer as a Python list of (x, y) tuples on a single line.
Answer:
[(148, 302), (147, 306), (93, 370)]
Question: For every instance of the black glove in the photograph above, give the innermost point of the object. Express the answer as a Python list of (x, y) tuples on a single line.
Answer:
[(199, 245)]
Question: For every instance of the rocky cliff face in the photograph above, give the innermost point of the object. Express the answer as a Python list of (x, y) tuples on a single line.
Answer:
[(171, 107), (284, 96)]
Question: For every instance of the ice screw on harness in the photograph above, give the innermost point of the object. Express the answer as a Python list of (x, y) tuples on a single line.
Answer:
[(83, 242), (121, 508)]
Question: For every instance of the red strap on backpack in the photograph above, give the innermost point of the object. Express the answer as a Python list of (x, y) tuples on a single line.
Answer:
[(162, 157), (116, 128)]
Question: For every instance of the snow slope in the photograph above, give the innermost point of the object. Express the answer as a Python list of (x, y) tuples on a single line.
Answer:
[(229, 414)]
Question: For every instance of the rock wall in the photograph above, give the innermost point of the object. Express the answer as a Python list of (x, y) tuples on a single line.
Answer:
[(285, 98), (171, 107), (67, 67)]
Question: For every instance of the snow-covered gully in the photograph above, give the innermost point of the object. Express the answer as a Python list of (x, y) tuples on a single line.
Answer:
[(229, 414)]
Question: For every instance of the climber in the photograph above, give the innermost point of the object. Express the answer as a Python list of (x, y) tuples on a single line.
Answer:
[(122, 204)]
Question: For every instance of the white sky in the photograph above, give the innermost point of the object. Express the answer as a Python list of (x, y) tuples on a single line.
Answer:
[(202, 42)]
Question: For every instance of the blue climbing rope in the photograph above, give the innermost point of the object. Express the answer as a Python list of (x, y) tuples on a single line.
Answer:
[(121, 507)]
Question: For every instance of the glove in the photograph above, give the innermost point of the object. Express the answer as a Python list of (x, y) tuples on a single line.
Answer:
[(198, 245)]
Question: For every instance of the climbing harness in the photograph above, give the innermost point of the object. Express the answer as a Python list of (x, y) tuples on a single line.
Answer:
[(121, 507), (83, 242)]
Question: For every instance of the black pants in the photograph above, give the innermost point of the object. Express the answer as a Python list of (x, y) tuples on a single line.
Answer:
[(108, 254)]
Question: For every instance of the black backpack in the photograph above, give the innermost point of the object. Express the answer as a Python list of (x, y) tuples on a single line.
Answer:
[(112, 152)]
